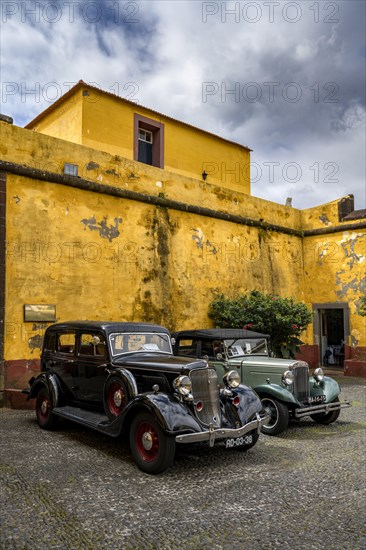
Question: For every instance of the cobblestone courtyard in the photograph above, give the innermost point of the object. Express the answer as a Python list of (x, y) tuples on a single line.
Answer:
[(75, 488)]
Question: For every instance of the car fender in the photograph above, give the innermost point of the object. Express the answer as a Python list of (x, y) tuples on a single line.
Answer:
[(329, 387), (277, 392), (249, 405), (172, 416), (48, 380), (127, 378)]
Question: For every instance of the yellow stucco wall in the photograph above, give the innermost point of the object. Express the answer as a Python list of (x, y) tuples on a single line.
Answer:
[(47, 153), (335, 273), (100, 257), (151, 263), (163, 266), (64, 120), (108, 125)]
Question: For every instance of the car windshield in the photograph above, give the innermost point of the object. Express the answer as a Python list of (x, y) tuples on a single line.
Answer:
[(139, 342), (246, 346)]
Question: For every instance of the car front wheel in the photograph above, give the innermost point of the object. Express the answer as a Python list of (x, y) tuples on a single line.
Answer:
[(327, 418), (151, 448), (44, 410), (278, 414)]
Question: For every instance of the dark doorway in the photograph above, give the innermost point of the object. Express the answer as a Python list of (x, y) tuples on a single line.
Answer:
[(331, 329)]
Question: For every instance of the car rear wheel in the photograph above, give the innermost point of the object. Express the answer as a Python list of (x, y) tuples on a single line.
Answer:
[(327, 418), (44, 410), (279, 416), (151, 448), (116, 397)]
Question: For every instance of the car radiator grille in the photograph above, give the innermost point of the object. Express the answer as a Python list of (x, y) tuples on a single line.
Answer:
[(205, 389), (301, 382)]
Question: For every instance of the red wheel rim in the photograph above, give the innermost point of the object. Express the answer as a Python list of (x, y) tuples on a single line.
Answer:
[(44, 408), (116, 398), (147, 442)]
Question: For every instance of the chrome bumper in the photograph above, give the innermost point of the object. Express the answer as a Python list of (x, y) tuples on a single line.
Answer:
[(320, 409), (223, 433)]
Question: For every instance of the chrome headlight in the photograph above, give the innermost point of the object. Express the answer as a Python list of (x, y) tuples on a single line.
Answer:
[(319, 374), (183, 385), (288, 377), (232, 379)]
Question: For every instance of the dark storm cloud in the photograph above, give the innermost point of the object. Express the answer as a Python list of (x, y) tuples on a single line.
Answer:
[(299, 94)]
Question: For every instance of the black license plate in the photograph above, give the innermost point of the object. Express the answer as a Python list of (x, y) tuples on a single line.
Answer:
[(238, 441), (316, 399)]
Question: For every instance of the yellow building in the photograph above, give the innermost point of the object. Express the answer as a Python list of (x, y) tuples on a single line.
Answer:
[(89, 231), (101, 120)]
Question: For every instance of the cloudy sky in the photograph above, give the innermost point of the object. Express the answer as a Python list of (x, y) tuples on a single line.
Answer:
[(285, 78)]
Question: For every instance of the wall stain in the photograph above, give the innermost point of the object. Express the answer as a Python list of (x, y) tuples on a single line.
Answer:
[(154, 300), (324, 219), (39, 326), (112, 172), (92, 165), (106, 231)]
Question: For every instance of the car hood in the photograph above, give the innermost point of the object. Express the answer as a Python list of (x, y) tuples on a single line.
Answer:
[(159, 362), (262, 360)]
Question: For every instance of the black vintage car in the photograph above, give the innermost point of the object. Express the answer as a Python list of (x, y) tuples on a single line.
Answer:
[(123, 376)]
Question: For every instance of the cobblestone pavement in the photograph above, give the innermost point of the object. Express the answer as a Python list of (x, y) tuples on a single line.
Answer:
[(75, 488)]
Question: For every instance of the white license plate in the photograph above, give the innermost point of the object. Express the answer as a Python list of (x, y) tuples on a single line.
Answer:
[(238, 441)]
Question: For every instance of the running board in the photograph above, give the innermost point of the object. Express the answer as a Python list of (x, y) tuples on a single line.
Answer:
[(90, 419)]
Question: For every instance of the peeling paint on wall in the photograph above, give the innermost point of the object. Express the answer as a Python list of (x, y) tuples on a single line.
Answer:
[(35, 342), (199, 238), (106, 231), (351, 278), (355, 285), (348, 244)]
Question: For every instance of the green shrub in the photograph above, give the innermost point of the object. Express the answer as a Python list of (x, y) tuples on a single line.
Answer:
[(361, 309), (282, 318)]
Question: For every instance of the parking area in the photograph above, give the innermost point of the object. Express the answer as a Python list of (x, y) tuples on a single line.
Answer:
[(75, 488)]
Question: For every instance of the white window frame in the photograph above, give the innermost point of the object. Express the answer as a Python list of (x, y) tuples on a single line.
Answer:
[(145, 135)]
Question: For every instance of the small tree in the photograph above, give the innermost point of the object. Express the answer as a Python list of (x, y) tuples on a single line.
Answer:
[(282, 318)]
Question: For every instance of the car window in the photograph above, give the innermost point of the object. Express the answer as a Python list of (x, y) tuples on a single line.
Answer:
[(207, 349), (218, 347), (140, 342), (188, 347), (246, 346), (50, 341), (92, 345), (66, 343)]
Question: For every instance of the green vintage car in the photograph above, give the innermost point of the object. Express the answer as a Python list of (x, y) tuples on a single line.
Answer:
[(284, 386)]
